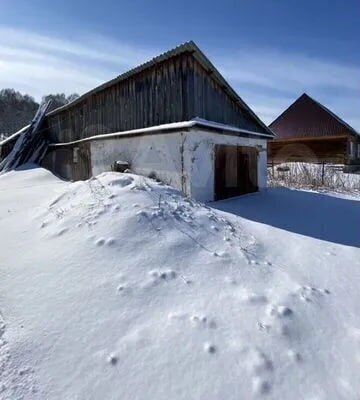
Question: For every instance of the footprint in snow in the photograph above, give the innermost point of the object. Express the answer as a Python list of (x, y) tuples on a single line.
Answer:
[(294, 356), (254, 298), (124, 289), (260, 365), (160, 276), (210, 348), (100, 242), (163, 274), (62, 232), (230, 280), (260, 386), (113, 359), (122, 182), (222, 254), (203, 321), (280, 311), (310, 294), (110, 242), (200, 321)]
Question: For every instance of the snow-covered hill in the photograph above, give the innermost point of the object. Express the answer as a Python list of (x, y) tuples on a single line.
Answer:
[(121, 288)]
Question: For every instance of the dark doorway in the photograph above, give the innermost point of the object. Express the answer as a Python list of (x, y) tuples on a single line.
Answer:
[(235, 171)]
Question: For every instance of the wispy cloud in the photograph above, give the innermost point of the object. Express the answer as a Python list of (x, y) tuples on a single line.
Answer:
[(270, 80), (267, 79), (39, 64), (289, 71)]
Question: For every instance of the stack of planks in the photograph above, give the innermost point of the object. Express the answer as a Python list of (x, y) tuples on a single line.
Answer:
[(30, 146)]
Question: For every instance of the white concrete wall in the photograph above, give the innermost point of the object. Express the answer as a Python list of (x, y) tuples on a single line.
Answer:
[(184, 160), (200, 163), (157, 153)]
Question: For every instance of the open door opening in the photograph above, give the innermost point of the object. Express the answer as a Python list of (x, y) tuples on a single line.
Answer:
[(236, 171)]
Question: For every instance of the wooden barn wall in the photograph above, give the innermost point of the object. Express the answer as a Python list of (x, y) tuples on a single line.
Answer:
[(156, 96), (325, 150), (177, 89), (212, 102), (61, 162)]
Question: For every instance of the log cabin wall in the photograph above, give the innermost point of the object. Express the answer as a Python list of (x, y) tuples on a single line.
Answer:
[(326, 149), (176, 89)]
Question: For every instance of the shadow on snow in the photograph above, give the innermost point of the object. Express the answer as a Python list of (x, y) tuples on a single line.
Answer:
[(311, 214)]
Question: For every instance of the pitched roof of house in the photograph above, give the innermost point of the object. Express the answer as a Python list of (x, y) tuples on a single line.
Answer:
[(308, 117), (187, 47)]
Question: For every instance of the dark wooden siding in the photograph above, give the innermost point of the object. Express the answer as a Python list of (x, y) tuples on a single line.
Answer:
[(176, 89), (327, 149), (212, 102), (61, 161)]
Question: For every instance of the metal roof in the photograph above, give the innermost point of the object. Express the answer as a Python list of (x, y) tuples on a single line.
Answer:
[(187, 47)]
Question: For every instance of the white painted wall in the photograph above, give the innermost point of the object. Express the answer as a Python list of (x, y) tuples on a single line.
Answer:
[(154, 153), (184, 160), (200, 163)]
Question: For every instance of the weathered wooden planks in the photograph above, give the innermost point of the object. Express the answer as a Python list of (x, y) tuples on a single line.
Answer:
[(173, 90)]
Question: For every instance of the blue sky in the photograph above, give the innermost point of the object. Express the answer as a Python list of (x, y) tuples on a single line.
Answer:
[(270, 51)]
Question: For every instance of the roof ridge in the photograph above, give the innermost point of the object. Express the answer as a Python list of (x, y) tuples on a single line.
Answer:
[(179, 49), (189, 46)]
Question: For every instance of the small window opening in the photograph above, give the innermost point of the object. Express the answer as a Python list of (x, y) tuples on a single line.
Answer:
[(75, 155)]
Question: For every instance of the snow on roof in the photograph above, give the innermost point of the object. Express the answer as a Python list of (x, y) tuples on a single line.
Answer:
[(14, 135), (169, 127)]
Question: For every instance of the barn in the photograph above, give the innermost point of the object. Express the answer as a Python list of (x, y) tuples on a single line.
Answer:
[(174, 118), (309, 132)]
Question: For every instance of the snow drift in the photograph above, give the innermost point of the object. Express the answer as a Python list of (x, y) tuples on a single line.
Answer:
[(120, 287)]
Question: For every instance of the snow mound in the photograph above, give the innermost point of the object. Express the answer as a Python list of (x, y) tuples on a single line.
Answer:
[(121, 287)]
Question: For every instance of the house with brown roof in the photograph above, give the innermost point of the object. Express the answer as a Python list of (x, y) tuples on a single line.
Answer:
[(307, 131)]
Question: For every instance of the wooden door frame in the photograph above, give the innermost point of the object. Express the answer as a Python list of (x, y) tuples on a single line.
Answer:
[(246, 185)]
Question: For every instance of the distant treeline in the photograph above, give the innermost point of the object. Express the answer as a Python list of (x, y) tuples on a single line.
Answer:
[(17, 110)]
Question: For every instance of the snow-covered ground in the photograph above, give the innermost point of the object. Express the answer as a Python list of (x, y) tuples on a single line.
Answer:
[(121, 288), (315, 176)]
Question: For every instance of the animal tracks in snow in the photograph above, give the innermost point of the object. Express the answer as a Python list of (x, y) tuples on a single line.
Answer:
[(194, 319), (310, 294), (198, 321)]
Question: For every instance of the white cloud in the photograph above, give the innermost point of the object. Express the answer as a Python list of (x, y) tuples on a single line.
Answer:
[(267, 79), (270, 80), (38, 64), (288, 71)]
